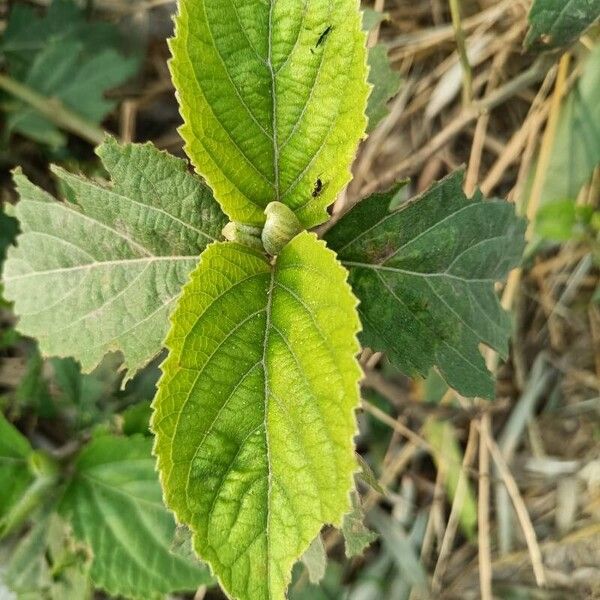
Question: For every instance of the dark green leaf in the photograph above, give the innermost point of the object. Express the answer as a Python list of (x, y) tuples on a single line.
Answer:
[(425, 276), (557, 23)]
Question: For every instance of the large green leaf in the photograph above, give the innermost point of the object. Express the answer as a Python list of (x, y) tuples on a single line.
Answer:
[(273, 96), (62, 56), (101, 273), (254, 418), (556, 23), (114, 503), (14, 474), (425, 277)]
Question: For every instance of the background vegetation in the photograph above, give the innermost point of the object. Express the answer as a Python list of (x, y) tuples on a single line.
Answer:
[(463, 496)]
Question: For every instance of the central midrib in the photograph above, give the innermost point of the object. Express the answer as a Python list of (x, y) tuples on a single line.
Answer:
[(270, 293), (274, 103)]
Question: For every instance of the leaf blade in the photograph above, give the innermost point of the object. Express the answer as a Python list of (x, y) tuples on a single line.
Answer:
[(435, 261), (260, 123), (115, 505), (557, 23), (257, 461), (101, 275)]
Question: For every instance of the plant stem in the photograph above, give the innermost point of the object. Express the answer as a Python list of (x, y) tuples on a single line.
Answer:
[(459, 34), (54, 110)]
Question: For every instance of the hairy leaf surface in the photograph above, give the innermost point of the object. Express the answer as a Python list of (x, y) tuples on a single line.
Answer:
[(14, 474), (556, 23), (114, 503), (425, 277), (273, 96), (101, 273), (254, 418)]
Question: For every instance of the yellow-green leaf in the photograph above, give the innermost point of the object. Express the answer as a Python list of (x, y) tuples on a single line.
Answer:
[(273, 96), (254, 419)]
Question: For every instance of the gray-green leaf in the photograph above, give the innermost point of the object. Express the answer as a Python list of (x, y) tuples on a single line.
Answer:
[(357, 537), (425, 277), (102, 274), (114, 503), (315, 560)]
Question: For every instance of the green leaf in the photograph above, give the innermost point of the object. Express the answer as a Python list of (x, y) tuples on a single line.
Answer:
[(371, 18), (254, 418), (386, 83), (425, 277), (46, 564), (102, 275), (61, 56), (315, 560), (273, 96), (557, 23), (556, 220), (114, 503), (14, 474), (384, 80), (357, 537), (576, 150)]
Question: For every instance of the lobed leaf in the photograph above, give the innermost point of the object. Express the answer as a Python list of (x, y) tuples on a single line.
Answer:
[(558, 23), (254, 417), (425, 277), (114, 503), (101, 273), (273, 97)]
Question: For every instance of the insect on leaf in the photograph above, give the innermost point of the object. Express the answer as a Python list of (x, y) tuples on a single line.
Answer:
[(425, 277), (273, 96), (102, 275), (254, 418)]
